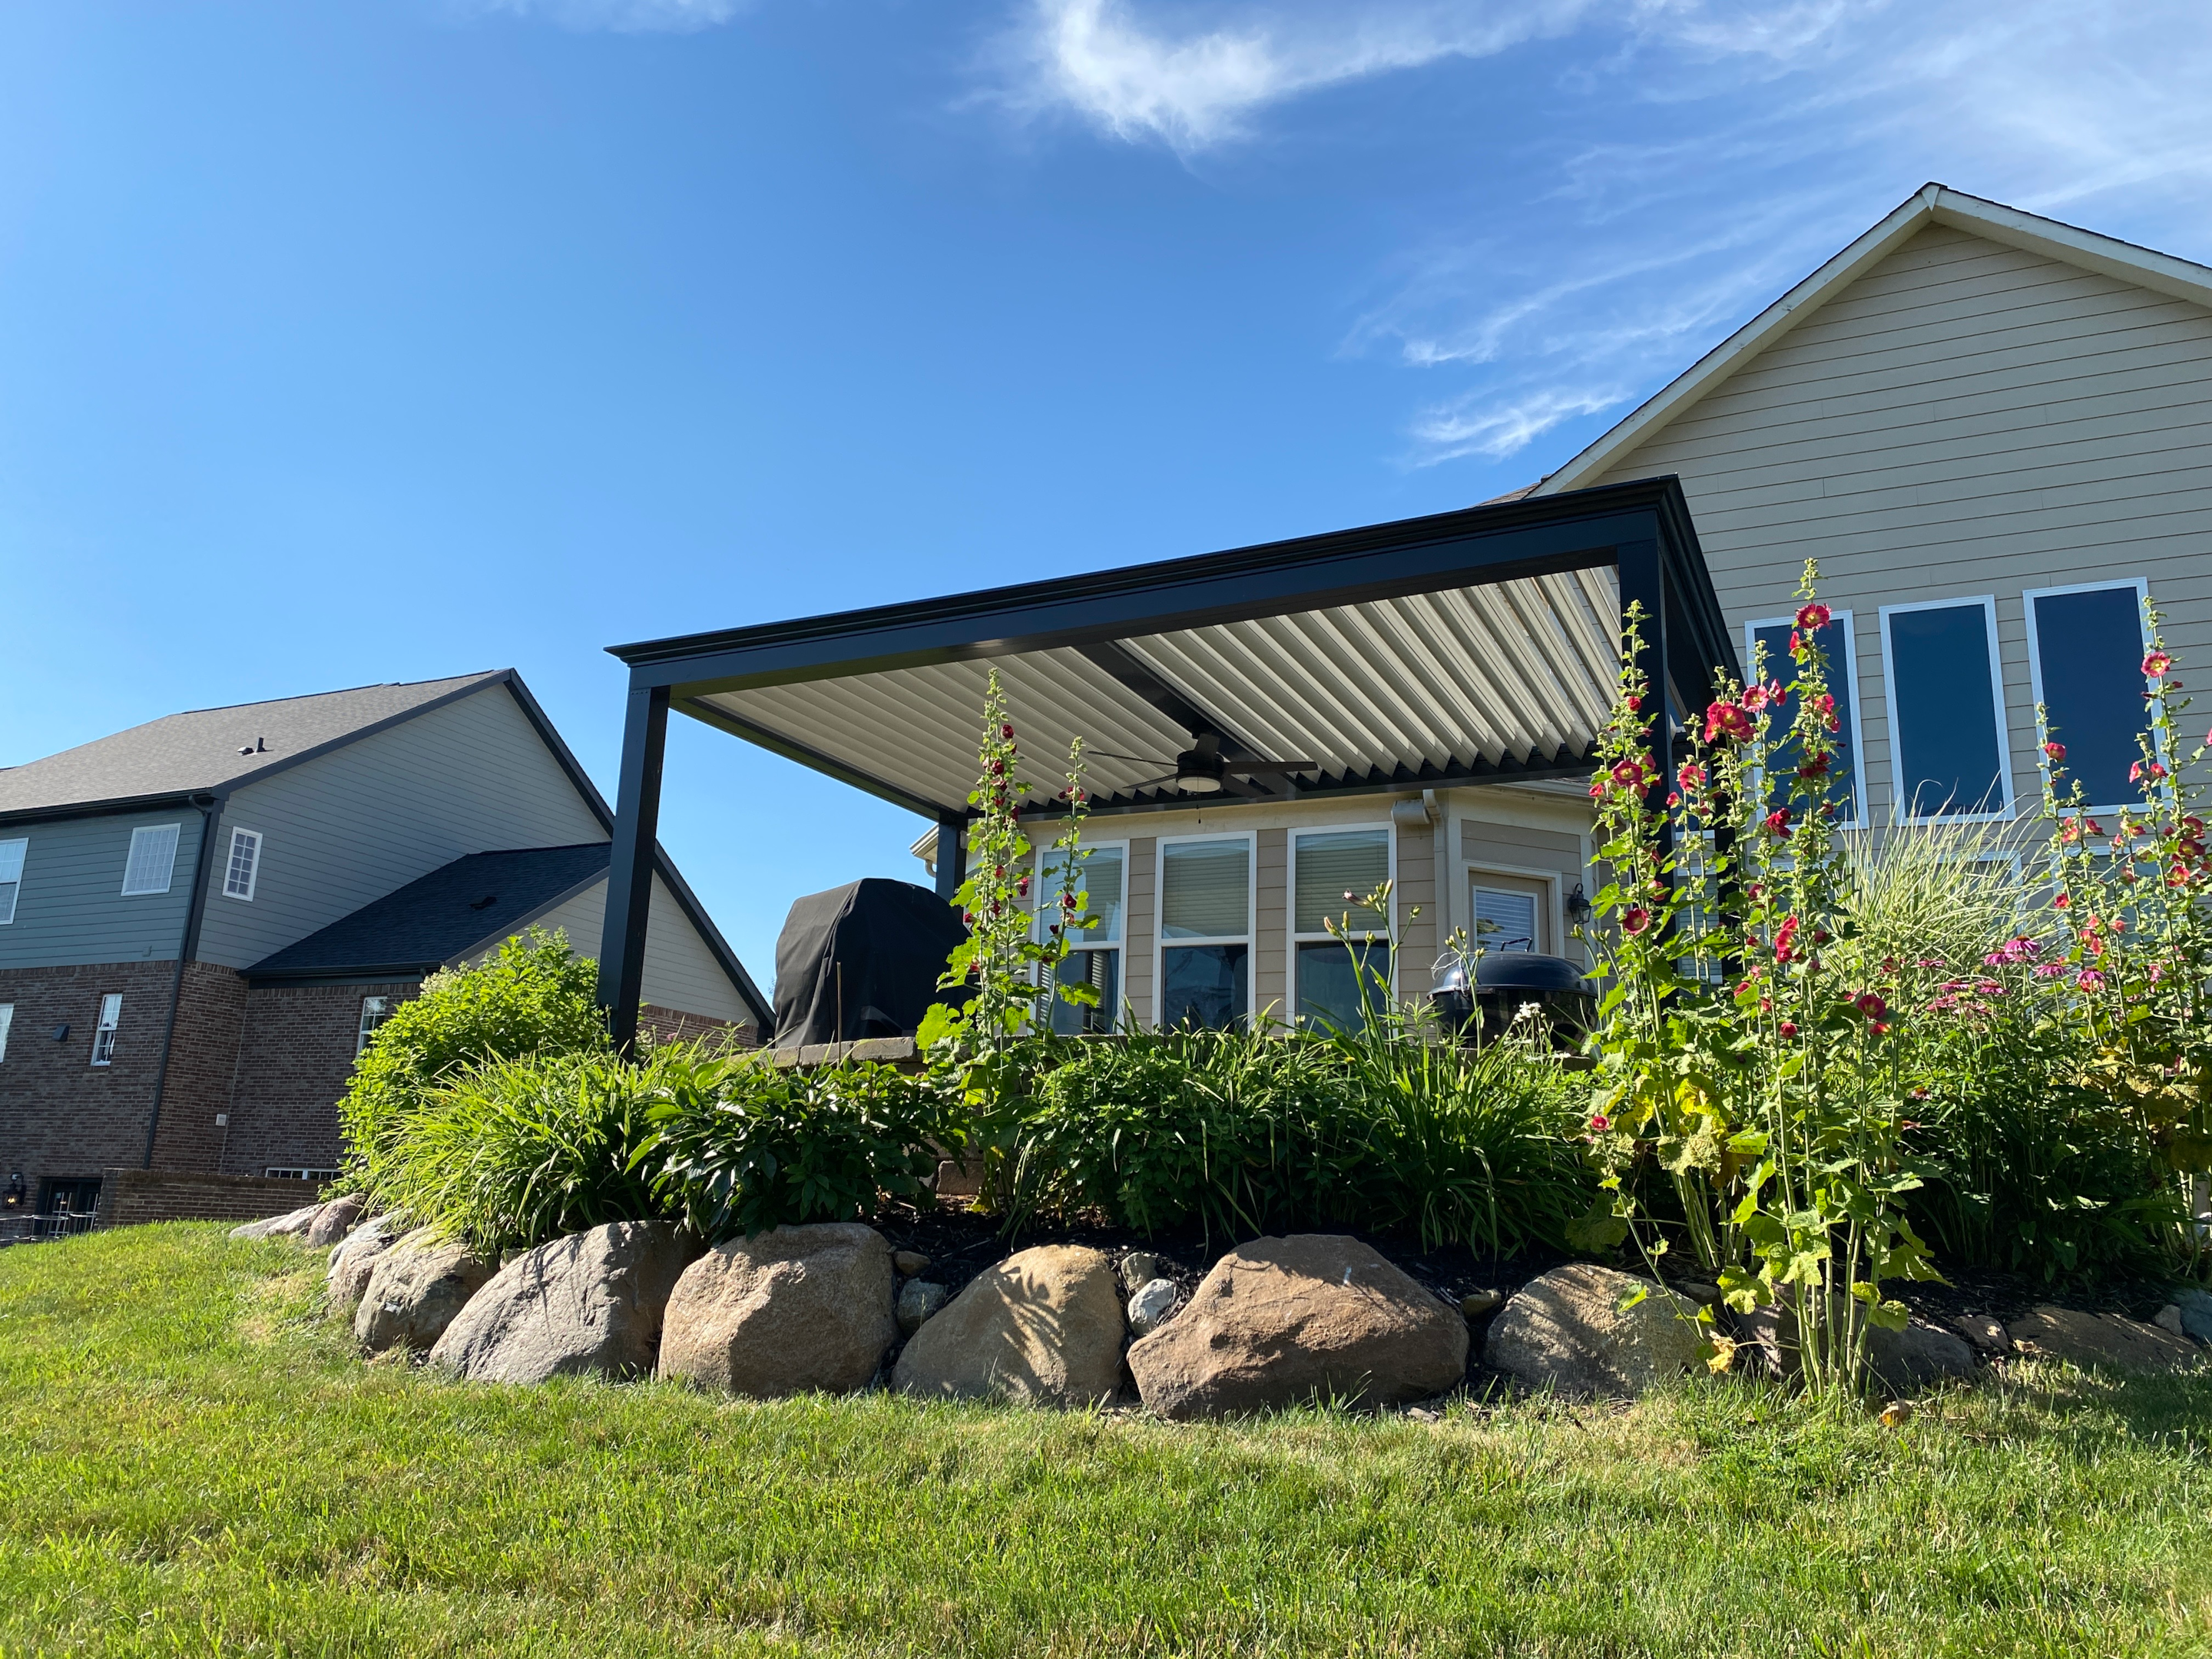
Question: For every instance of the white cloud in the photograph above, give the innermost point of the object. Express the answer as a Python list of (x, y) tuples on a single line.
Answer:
[(1485, 424), (619, 16)]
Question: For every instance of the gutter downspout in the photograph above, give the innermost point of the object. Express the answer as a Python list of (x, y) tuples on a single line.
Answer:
[(210, 810)]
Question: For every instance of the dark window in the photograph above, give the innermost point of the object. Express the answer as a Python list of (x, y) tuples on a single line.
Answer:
[(1102, 971), (1948, 745), (1843, 767), (1328, 988), (2089, 665), (1206, 985)]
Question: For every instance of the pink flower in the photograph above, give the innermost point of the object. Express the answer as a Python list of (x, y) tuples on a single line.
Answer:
[(2090, 979), (1785, 936), (2063, 901), (1790, 1028), (1726, 719), (1022, 887), (2156, 665), (1690, 775), (2048, 970), (1635, 919), (1636, 705), (1596, 790), (1870, 1003), (1673, 800), (1628, 773), (2056, 750), (1777, 823), (1754, 697), (1812, 616), (1600, 1123), (2139, 771)]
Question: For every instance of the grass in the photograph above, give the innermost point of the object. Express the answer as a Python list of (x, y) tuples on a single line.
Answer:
[(194, 1461)]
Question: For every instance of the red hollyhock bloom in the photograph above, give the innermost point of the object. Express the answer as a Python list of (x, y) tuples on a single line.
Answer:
[(1815, 767), (1636, 705), (1596, 790), (2156, 664), (1754, 697), (1790, 1028), (1812, 616), (1777, 823), (1627, 774), (1796, 642), (1600, 1123), (1007, 732), (1673, 800), (2056, 750), (1726, 719), (1022, 887), (1690, 774), (1870, 1003), (1635, 919), (2177, 876)]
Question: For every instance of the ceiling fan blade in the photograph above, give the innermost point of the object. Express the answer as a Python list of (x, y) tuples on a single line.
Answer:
[(1153, 783), (1257, 767), (1231, 784)]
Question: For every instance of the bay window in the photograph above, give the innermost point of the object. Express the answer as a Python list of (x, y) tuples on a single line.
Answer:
[(1205, 931), (1325, 865)]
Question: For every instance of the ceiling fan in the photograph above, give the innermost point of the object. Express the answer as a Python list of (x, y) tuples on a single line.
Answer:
[(1203, 769)]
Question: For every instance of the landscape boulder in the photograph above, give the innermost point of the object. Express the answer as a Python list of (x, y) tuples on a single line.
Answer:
[(1917, 1357), (1280, 1322), (590, 1303), (2109, 1339), (919, 1299), (1043, 1327), (293, 1224), (790, 1311), (414, 1290), (335, 1220), (1567, 1332), (354, 1259), (2195, 1309)]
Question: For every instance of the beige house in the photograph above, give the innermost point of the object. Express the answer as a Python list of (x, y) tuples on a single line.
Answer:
[(1993, 431)]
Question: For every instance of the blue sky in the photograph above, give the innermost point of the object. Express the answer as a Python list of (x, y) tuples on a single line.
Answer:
[(387, 339)]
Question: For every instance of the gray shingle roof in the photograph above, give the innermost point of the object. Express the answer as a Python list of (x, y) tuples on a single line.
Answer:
[(443, 916), (181, 753)]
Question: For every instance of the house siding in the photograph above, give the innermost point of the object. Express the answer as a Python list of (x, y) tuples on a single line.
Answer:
[(1965, 419), (1138, 928), (350, 826), (681, 972), (70, 907), (1271, 970), (59, 1114)]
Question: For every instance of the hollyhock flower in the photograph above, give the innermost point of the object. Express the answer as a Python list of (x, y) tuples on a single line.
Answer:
[(1690, 774), (1880, 1027), (1796, 642), (1022, 887), (1870, 1003), (1673, 800), (1006, 731), (2063, 901), (1636, 705), (1635, 919), (1596, 790), (1766, 1004), (1790, 1028), (1784, 939), (2177, 876), (2056, 750), (1754, 697), (1815, 767), (1726, 719), (1777, 823), (2156, 664), (1628, 773), (1600, 1123), (1067, 901), (1812, 616)]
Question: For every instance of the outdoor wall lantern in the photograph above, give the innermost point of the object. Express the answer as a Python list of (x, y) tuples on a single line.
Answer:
[(1578, 904)]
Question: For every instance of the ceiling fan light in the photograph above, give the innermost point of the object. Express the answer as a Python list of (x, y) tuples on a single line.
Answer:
[(1198, 783)]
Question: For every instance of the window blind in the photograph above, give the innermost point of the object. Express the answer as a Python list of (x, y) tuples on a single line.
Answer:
[(1504, 921), (1333, 863), (1206, 890), (1098, 878), (153, 855)]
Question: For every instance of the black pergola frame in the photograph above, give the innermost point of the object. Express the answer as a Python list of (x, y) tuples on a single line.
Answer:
[(1642, 530)]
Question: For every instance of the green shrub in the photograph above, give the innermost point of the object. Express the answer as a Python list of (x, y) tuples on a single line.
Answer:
[(740, 1146), (1245, 1132), (513, 1152), (534, 996)]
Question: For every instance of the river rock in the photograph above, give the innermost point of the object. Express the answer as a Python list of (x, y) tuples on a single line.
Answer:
[(293, 1224), (1043, 1327), (909, 1263), (1567, 1332), (335, 1220), (919, 1299), (787, 1311), (1284, 1321), (414, 1289), (354, 1258), (1151, 1306), (590, 1303), (2109, 1339), (1139, 1269)]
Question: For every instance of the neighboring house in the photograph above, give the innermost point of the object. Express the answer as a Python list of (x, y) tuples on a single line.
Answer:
[(204, 917), (1993, 431)]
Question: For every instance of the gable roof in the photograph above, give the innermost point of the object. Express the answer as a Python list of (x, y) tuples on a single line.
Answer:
[(215, 751), (456, 912), (1932, 204)]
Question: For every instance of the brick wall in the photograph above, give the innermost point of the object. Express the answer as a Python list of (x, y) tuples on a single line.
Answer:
[(128, 1197), (202, 1062), (60, 1116), (293, 1064), (669, 1026)]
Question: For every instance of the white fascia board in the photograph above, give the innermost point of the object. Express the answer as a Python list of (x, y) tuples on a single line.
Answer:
[(2161, 273)]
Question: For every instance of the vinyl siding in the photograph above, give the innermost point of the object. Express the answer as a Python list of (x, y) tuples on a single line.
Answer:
[(337, 832), (1271, 974), (70, 910), (680, 971), (1416, 890), (1138, 930), (1965, 419)]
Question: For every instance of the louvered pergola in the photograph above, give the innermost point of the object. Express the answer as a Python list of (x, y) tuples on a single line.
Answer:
[(1466, 647)]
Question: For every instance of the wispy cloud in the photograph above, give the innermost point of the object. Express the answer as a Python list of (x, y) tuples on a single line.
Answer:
[(618, 16)]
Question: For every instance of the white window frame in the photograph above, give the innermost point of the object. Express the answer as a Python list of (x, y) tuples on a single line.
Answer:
[(13, 855), (2027, 599), (230, 862), (1897, 815), (103, 1033), (1555, 908), (1851, 669), (169, 871), (1293, 938), (7, 1019), (1250, 938), (1037, 889)]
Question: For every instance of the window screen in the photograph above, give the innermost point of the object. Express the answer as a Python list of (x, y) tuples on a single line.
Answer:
[(2089, 677), (1329, 865), (1949, 749), (11, 876), (243, 865), (1503, 921), (1206, 890), (1843, 776), (153, 855)]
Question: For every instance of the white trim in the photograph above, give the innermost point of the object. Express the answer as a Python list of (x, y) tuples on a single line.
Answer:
[(253, 869), (1858, 736), (176, 832), (1989, 604), (1555, 904), (1934, 203), (2027, 599), (1249, 939), (1292, 938)]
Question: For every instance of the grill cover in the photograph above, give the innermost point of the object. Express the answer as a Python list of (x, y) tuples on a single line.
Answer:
[(861, 961)]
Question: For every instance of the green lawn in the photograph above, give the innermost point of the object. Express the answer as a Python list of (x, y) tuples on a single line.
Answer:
[(195, 1463)]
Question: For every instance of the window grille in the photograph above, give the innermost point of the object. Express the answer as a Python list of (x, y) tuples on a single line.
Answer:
[(153, 857), (244, 865)]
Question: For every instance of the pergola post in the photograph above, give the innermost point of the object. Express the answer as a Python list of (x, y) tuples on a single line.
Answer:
[(952, 854), (1643, 582), (630, 869)]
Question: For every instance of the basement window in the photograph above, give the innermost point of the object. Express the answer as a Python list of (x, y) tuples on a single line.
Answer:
[(2086, 646), (103, 1037), (11, 876), (152, 856), (277, 1172), (244, 865)]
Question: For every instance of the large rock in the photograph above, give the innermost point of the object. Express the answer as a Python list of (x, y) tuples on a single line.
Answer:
[(1567, 1332), (1284, 1321), (1917, 1357), (2109, 1339), (293, 1224), (790, 1311), (335, 1220), (354, 1259), (1044, 1327), (591, 1302), (414, 1289), (2196, 1307)]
